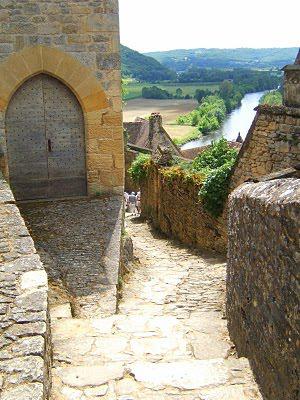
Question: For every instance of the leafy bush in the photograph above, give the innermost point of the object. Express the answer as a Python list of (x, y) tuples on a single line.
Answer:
[(183, 171), (207, 117), (273, 98), (212, 168), (214, 191), (218, 154), (210, 171), (217, 161), (139, 167)]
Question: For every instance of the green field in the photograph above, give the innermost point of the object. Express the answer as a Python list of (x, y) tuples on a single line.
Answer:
[(134, 89)]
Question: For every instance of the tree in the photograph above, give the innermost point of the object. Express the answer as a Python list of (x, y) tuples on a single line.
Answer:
[(155, 92), (226, 90), (200, 94), (179, 93)]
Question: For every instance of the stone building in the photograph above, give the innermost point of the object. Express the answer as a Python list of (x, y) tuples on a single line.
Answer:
[(145, 136), (60, 98), (149, 134), (273, 141)]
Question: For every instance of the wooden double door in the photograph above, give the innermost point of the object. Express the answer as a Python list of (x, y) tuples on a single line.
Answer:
[(45, 141)]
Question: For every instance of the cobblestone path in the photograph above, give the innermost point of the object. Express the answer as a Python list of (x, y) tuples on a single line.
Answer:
[(79, 244), (168, 340)]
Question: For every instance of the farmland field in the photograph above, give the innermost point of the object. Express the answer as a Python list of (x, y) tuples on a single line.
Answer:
[(169, 109), (134, 89)]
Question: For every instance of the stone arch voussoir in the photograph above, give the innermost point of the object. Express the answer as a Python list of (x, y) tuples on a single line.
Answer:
[(40, 59)]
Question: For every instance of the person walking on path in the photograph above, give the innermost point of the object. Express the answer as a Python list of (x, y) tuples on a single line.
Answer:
[(126, 200), (132, 203), (138, 202)]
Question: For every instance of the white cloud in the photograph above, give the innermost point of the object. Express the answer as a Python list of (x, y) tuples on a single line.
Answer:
[(148, 25)]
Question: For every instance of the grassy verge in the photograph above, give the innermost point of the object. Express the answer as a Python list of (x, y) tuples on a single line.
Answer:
[(187, 138), (134, 89)]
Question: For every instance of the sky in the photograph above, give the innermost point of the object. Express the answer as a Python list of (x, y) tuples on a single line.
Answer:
[(156, 25)]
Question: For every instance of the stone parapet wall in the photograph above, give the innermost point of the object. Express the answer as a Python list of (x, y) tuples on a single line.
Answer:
[(174, 208), (263, 282), (24, 326), (272, 144)]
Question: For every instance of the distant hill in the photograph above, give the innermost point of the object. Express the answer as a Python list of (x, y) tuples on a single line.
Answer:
[(182, 60), (143, 68)]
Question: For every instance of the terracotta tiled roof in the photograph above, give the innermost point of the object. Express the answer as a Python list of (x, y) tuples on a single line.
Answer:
[(138, 135), (138, 132)]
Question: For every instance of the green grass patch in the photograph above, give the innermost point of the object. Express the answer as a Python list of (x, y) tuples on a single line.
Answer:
[(180, 141), (134, 89)]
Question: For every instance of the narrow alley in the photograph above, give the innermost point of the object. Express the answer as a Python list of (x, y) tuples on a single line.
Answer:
[(168, 341)]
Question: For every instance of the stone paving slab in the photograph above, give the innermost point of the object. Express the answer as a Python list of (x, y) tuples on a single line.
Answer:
[(168, 341)]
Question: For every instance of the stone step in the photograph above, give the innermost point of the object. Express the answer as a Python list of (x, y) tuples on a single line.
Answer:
[(215, 379), (134, 337)]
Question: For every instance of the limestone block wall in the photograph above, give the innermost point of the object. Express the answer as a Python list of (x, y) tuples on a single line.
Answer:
[(263, 282), (24, 327), (175, 209), (78, 43), (272, 144)]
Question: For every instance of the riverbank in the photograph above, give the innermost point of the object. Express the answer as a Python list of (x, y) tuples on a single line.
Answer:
[(238, 121)]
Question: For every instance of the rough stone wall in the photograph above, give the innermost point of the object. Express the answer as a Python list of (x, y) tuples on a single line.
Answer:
[(46, 36), (263, 282), (272, 144), (24, 328), (174, 208)]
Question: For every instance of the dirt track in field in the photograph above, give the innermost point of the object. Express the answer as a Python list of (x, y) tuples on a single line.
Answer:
[(169, 109)]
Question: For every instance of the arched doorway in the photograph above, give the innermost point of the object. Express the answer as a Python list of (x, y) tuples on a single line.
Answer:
[(45, 141)]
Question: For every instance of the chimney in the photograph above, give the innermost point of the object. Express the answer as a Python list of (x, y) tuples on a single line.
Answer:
[(155, 125), (291, 85), (239, 139)]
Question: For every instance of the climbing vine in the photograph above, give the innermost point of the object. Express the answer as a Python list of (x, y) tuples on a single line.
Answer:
[(139, 168), (216, 155), (211, 170), (214, 191), (217, 161)]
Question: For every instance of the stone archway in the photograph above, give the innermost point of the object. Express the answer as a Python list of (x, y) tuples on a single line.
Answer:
[(103, 128), (45, 140)]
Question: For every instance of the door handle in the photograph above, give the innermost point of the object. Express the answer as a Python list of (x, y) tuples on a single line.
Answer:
[(49, 146)]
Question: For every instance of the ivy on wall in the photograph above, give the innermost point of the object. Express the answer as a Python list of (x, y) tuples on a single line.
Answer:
[(139, 168), (214, 191), (210, 170)]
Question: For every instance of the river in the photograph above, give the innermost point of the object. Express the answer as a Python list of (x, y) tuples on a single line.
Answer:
[(237, 121)]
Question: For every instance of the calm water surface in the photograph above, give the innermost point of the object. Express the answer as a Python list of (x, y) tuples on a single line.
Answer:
[(238, 120)]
